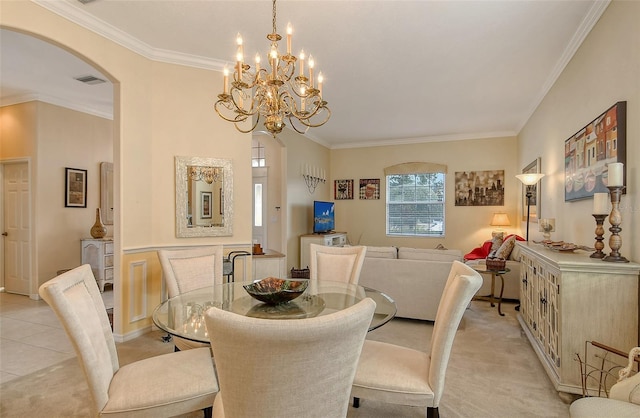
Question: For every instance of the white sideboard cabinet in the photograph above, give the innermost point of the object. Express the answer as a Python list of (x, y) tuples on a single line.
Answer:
[(569, 298), (336, 239), (98, 252)]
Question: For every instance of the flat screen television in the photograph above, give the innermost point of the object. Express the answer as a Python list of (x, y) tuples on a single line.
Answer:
[(323, 217)]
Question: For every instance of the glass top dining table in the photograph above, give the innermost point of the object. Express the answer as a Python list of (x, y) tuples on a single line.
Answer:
[(183, 315)]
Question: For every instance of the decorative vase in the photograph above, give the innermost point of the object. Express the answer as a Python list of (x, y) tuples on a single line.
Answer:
[(98, 230)]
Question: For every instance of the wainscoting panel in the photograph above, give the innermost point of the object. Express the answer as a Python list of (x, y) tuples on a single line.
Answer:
[(137, 291)]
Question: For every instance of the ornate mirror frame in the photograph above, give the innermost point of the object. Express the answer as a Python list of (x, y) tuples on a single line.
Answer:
[(225, 201)]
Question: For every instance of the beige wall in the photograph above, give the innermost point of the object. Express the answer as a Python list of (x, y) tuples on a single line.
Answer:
[(466, 227), (67, 138), (54, 138), (299, 206), (161, 110), (605, 70)]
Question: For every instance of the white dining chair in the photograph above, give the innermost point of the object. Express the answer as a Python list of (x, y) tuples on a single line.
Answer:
[(189, 269), (287, 368), (400, 375), (161, 386), (339, 264)]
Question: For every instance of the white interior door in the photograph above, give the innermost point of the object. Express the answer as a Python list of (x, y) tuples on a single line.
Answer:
[(260, 207), (17, 228)]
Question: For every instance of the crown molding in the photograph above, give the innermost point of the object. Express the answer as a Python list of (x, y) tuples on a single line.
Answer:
[(78, 16), (57, 101)]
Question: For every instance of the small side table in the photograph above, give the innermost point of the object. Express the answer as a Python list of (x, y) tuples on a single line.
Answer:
[(482, 269)]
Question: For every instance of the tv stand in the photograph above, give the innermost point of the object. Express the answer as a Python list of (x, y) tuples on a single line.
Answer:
[(332, 239)]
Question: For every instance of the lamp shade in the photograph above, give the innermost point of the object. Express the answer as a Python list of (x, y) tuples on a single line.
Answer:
[(500, 219), (530, 179)]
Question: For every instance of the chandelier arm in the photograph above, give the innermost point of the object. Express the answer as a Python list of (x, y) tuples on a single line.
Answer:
[(248, 130), (293, 125), (307, 121), (237, 118)]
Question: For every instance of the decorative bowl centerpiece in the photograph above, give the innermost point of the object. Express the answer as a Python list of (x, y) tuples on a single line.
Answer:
[(273, 291)]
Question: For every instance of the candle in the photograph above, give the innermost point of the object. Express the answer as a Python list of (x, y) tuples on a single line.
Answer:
[(289, 32), (320, 80), (225, 81), (257, 64), (302, 62), (239, 55), (311, 65), (615, 174), (600, 203)]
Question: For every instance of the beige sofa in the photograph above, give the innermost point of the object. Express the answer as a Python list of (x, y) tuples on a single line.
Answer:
[(413, 277)]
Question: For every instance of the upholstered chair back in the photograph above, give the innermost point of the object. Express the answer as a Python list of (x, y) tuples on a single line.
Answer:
[(75, 298), (338, 264), (287, 368), (462, 284), (189, 269)]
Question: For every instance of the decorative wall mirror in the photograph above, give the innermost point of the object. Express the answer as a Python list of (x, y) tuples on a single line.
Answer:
[(204, 197)]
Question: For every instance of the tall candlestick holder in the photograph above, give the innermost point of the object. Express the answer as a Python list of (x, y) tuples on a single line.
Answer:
[(599, 245), (615, 219)]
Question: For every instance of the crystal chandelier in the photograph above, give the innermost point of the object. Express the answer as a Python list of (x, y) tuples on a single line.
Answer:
[(275, 93)]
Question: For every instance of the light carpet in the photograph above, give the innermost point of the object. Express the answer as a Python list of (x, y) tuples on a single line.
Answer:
[(493, 372)]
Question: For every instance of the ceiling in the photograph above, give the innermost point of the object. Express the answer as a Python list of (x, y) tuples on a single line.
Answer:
[(395, 71)]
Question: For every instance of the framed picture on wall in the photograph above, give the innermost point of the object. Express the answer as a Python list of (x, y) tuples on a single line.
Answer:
[(369, 189), (75, 188), (588, 152), (343, 189), (479, 188), (206, 202)]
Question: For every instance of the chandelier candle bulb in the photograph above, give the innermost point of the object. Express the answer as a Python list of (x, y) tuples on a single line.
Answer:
[(615, 174), (320, 80), (600, 203), (302, 62), (257, 59), (289, 32), (225, 80), (311, 65)]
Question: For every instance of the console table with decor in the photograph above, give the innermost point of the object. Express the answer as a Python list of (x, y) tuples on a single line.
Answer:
[(568, 298)]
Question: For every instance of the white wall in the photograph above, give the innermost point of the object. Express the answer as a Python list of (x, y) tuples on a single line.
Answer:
[(605, 70)]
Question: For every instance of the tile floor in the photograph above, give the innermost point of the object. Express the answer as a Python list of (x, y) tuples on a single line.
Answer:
[(31, 338)]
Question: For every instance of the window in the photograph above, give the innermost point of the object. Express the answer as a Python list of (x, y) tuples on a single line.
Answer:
[(257, 154), (415, 204)]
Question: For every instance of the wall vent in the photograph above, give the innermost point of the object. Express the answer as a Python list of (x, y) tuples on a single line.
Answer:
[(89, 79)]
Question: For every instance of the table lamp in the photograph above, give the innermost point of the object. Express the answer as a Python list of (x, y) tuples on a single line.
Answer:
[(529, 180), (500, 219)]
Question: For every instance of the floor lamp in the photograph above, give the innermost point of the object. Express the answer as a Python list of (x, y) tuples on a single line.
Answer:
[(529, 180)]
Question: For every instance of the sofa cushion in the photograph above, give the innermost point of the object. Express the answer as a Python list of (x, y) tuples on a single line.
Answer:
[(429, 254), (505, 249), (515, 253), (381, 252), (496, 241)]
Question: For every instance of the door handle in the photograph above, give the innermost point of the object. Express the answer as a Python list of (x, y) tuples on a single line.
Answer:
[(4, 234)]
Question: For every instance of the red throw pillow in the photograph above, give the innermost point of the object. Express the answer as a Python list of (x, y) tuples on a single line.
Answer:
[(480, 252)]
